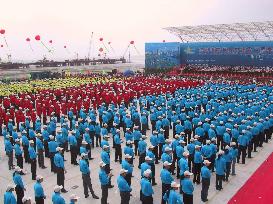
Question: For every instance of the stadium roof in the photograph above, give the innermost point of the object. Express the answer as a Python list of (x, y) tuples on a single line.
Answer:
[(253, 31)]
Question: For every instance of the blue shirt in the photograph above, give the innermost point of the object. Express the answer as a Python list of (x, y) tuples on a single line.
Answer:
[(52, 145), (123, 185), (18, 150), (9, 198), (84, 168), (220, 166), (198, 157), (187, 186), (146, 187), (125, 165), (144, 166), (57, 198), (174, 197), (32, 153), (104, 178), (17, 179), (59, 160), (166, 176), (38, 189), (205, 172), (183, 165), (105, 157)]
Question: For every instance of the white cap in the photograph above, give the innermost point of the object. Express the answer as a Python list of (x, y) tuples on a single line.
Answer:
[(39, 177), (167, 149), (83, 154), (57, 188), (186, 153), (84, 142), (150, 147), (59, 149), (31, 142), (206, 162), (17, 168), (232, 143), (221, 152), (122, 171), (74, 197), (10, 186), (102, 164), (147, 173), (175, 185), (105, 146), (227, 147), (166, 163), (129, 142), (187, 173), (127, 156), (182, 142), (26, 199), (221, 122), (207, 141), (51, 137), (148, 158)]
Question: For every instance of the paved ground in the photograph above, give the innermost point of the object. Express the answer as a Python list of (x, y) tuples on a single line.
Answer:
[(73, 178)]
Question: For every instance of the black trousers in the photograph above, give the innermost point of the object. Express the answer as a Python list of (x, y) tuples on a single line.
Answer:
[(187, 199), (26, 154), (196, 172), (153, 173), (107, 171), (20, 162), (39, 200), (165, 188), (118, 153), (141, 158), (87, 184), (241, 150), (136, 147), (228, 167), (147, 199), (219, 181), (73, 152), (20, 194), (53, 168), (60, 176), (46, 149), (33, 168), (125, 197), (104, 194), (205, 188)]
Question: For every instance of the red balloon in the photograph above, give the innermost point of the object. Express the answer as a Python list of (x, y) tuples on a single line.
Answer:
[(132, 42), (101, 49), (2, 45), (37, 37), (164, 41), (28, 39), (101, 39), (99, 55), (50, 41), (2, 31), (65, 46), (109, 43)]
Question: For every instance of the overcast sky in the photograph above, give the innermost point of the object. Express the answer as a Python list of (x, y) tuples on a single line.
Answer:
[(71, 22)]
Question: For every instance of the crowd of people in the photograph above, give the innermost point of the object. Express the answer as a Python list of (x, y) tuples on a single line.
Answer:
[(197, 131)]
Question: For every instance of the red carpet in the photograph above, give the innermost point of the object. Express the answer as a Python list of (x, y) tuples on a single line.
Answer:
[(259, 187)]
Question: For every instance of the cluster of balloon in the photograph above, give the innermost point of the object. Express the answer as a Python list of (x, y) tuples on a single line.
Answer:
[(66, 49), (110, 45), (131, 43), (2, 32), (29, 44), (101, 40), (38, 38)]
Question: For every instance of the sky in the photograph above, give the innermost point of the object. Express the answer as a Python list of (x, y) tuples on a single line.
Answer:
[(71, 22)]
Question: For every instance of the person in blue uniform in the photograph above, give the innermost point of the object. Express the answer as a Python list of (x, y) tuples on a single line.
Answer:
[(19, 185), (123, 187), (166, 179), (60, 169), (172, 196), (220, 168), (86, 179), (234, 152), (33, 159), (52, 145), (72, 141), (187, 188), (56, 197), (197, 163), (142, 145), (125, 164), (39, 191), (206, 175), (18, 153), (40, 150), (104, 181), (9, 197), (146, 188), (106, 159), (242, 142), (117, 146), (9, 151), (73, 198)]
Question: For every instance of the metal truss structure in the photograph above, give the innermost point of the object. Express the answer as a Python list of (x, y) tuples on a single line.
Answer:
[(253, 31)]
